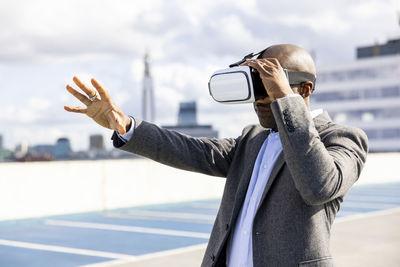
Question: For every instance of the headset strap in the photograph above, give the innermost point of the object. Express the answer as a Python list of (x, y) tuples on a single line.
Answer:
[(294, 77), (251, 55), (297, 77)]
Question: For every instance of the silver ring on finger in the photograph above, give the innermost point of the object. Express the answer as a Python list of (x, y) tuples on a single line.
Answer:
[(93, 98)]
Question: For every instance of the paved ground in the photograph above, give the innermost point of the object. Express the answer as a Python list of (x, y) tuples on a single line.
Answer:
[(357, 241), (175, 234), (370, 240)]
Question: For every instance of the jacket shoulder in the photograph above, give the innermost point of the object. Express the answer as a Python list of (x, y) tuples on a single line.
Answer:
[(335, 131), (252, 129)]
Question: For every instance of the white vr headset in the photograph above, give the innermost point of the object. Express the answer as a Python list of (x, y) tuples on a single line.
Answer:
[(242, 84)]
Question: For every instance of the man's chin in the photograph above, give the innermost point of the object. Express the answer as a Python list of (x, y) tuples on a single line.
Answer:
[(269, 125)]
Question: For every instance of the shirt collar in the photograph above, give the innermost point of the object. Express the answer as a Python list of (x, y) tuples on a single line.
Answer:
[(316, 112)]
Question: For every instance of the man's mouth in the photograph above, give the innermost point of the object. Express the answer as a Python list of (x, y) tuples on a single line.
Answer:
[(263, 107)]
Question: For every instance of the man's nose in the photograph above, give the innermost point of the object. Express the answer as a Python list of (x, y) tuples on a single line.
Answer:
[(264, 100), (260, 98)]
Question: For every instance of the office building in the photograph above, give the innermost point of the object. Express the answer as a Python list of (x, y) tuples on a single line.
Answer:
[(21, 150), (2, 153), (187, 113), (62, 149), (42, 150), (96, 142), (366, 94), (391, 47), (187, 122)]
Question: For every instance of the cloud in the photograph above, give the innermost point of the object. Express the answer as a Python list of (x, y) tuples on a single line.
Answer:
[(27, 111), (48, 31), (38, 104), (44, 43)]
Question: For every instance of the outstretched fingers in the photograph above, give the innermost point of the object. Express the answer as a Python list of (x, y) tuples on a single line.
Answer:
[(101, 109), (78, 95), (75, 109), (90, 92), (103, 92)]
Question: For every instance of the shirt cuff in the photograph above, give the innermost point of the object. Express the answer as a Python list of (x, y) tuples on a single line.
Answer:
[(291, 95), (127, 136)]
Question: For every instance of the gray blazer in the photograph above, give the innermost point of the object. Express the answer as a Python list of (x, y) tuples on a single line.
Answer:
[(319, 163)]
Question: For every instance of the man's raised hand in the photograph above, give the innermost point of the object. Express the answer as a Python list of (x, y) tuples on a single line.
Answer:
[(100, 108), (272, 75)]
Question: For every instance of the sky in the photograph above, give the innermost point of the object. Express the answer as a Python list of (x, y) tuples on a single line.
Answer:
[(43, 44)]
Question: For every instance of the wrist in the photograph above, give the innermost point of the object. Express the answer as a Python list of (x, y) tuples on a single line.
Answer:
[(282, 92), (127, 123), (279, 95)]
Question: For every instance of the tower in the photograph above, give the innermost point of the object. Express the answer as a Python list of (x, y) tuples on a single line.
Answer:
[(148, 96), (187, 113)]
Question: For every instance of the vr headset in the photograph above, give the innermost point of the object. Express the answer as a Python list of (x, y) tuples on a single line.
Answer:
[(242, 84)]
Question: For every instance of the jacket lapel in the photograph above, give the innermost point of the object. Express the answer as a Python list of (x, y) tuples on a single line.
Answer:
[(251, 158), (280, 161)]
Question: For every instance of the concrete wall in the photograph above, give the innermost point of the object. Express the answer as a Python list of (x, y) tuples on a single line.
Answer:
[(50, 188), (381, 168)]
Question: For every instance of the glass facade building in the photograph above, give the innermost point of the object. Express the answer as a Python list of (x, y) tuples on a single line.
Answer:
[(62, 149), (366, 94), (187, 122)]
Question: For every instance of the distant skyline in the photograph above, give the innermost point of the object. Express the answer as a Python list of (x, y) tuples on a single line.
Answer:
[(44, 43)]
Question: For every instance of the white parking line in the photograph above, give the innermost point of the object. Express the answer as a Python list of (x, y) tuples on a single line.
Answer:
[(367, 205), (205, 206), (69, 250), (114, 227), (150, 256), (375, 199), (165, 216)]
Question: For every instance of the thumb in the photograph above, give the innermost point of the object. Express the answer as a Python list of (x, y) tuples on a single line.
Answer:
[(115, 123), (120, 128)]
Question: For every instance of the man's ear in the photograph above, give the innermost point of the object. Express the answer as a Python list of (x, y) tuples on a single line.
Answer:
[(306, 88)]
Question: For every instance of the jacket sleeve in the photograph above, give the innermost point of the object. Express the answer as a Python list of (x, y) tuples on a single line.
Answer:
[(204, 155), (321, 171)]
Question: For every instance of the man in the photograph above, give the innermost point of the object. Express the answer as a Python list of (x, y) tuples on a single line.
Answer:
[(285, 178)]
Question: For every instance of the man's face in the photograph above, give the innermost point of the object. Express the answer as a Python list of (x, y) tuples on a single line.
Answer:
[(262, 107)]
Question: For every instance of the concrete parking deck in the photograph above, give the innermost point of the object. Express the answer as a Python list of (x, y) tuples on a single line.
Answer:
[(368, 240), (365, 233), (371, 239)]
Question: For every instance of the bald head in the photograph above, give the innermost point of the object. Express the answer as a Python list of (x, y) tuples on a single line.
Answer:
[(291, 57)]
